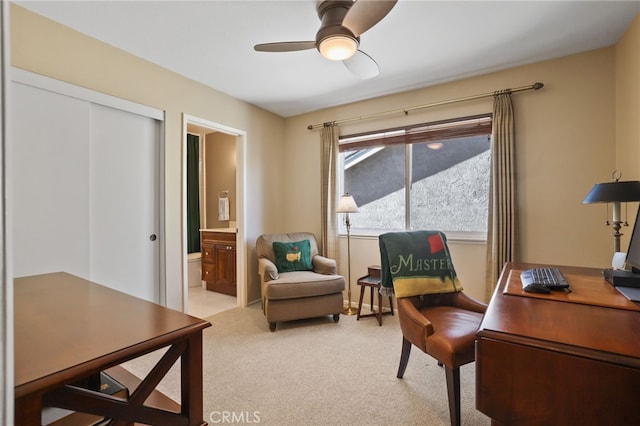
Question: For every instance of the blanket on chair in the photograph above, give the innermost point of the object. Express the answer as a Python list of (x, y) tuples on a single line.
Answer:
[(415, 263)]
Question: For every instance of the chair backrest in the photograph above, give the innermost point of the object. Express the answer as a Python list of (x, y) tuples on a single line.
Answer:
[(416, 263), (264, 243)]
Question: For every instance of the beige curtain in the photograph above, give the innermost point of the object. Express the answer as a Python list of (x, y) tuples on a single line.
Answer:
[(501, 235), (329, 237)]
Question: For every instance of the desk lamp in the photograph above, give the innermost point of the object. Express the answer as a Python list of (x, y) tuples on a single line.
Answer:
[(615, 192), (348, 205)]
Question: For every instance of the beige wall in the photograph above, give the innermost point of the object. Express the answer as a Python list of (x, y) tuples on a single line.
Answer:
[(571, 134), (565, 136), (220, 176), (45, 47), (217, 174), (627, 71)]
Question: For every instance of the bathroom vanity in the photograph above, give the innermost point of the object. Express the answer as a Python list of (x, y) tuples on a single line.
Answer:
[(219, 259)]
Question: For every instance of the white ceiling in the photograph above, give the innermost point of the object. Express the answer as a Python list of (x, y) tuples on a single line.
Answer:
[(419, 43)]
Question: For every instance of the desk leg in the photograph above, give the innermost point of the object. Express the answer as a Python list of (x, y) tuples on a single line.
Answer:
[(191, 381)]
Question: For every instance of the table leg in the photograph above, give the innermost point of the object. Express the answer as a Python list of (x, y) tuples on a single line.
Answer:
[(191, 380), (379, 309), (371, 298), (360, 302), (27, 410)]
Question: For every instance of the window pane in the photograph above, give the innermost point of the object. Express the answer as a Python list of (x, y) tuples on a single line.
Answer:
[(450, 184), (375, 178)]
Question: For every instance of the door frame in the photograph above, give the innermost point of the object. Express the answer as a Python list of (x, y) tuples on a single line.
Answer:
[(241, 258), (6, 270)]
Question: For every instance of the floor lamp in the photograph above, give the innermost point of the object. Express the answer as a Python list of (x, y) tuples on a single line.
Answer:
[(348, 205)]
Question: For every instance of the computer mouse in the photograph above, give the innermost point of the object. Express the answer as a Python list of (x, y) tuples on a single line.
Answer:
[(537, 288)]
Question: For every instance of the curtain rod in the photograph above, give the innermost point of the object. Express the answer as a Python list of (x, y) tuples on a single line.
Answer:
[(534, 86)]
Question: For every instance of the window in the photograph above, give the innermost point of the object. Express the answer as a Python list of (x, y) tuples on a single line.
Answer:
[(427, 176)]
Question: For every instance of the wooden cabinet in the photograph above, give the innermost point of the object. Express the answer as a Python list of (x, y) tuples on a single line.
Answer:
[(219, 261)]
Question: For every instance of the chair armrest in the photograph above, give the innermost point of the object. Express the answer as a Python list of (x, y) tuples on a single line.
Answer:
[(415, 326), (267, 270), (463, 301), (324, 265)]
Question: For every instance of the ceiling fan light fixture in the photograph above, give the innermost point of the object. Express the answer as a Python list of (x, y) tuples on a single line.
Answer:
[(338, 47)]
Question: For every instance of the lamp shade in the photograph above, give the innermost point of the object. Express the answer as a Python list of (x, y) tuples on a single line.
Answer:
[(610, 192), (347, 204)]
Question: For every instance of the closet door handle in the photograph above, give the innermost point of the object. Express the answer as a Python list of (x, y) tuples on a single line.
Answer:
[(152, 237)]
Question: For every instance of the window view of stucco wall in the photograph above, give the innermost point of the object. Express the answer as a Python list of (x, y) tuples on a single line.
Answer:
[(449, 185)]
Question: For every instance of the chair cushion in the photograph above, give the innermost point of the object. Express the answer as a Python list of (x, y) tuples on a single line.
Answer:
[(294, 256), (453, 340), (297, 284)]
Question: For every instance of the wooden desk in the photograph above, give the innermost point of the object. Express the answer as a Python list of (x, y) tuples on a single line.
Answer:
[(67, 329), (557, 360)]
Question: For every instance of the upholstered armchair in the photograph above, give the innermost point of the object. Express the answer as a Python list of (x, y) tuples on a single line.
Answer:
[(296, 282)]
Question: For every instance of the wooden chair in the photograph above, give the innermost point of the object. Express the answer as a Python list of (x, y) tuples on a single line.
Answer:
[(435, 315), (443, 326)]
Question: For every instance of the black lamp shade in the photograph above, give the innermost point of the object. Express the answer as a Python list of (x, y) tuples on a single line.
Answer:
[(609, 192)]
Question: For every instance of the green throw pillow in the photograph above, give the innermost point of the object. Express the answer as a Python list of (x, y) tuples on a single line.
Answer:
[(294, 256)]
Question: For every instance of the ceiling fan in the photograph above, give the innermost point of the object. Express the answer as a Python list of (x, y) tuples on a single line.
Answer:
[(342, 23)]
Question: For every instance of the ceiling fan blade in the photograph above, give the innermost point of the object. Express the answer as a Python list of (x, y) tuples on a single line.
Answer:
[(285, 46), (362, 65), (364, 14)]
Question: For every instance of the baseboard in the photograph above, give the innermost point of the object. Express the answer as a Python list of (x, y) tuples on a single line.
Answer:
[(367, 306)]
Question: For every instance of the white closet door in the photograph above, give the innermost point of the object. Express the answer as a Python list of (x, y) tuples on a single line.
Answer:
[(48, 177), (123, 170), (84, 182)]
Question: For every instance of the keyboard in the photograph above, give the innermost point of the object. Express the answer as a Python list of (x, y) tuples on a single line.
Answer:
[(549, 277)]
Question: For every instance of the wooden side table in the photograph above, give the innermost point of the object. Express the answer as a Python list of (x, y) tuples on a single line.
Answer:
[(372, 281)]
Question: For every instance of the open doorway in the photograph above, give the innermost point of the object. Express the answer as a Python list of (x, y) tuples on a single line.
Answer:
[(210, 136)]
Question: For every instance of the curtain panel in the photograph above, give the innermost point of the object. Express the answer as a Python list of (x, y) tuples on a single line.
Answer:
[(193, 194), (501, 231), (329, 153)]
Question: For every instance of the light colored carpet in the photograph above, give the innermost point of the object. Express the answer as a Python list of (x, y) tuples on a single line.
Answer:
[(317, 372)]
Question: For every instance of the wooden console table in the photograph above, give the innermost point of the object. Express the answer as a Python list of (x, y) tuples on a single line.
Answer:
[(561, 358), (68, 329)]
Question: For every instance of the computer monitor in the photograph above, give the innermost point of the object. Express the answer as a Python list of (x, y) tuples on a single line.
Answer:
[(633, 253), (628, 282), (626, 278)]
